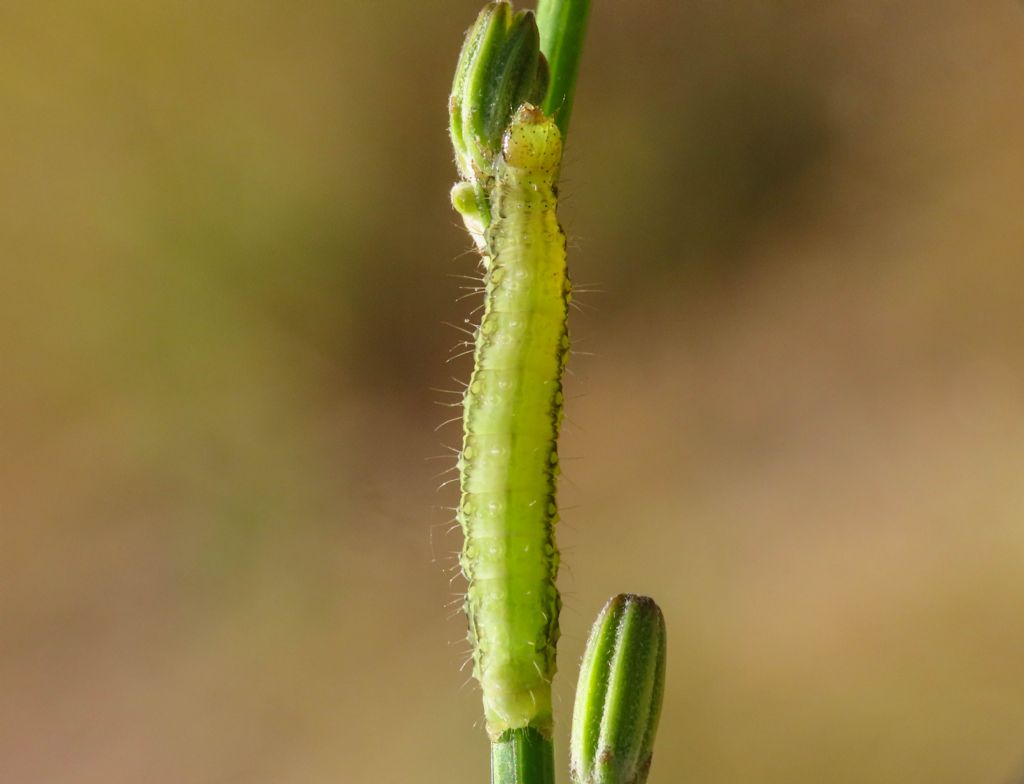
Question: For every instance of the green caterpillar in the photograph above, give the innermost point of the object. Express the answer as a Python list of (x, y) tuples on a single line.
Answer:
[(513, 410)]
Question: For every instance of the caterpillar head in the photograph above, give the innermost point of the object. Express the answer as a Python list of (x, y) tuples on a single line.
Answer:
[(533, 143)]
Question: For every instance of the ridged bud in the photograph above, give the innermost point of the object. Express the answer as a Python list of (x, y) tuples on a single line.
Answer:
[(618, 699), (500, 68)]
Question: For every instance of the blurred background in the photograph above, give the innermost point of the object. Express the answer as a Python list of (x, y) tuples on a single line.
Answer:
[(796, 417)]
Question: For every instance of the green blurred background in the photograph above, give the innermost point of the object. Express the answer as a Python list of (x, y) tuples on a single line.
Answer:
[(798, 423)]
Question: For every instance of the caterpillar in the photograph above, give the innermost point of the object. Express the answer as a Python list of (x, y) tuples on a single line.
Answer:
[(508, 465)]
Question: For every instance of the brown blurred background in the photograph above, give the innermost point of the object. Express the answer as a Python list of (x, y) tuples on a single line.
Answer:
[(799, 422)]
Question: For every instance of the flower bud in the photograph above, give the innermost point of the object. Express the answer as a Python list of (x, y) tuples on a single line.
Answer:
[(500, 68), (618, 699)]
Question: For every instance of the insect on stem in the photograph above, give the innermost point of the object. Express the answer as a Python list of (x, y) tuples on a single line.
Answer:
[(505, 128)]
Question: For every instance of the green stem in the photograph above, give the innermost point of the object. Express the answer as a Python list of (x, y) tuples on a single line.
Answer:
[(563, 24), (522, 756)]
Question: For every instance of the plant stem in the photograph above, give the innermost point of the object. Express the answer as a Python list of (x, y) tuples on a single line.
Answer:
[(522, 756), (563, 25)]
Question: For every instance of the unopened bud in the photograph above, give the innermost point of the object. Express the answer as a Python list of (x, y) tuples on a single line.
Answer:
[(500, 68), (618, 699)]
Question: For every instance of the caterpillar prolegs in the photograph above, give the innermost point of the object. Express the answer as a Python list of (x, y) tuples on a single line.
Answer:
[(513, 411)]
